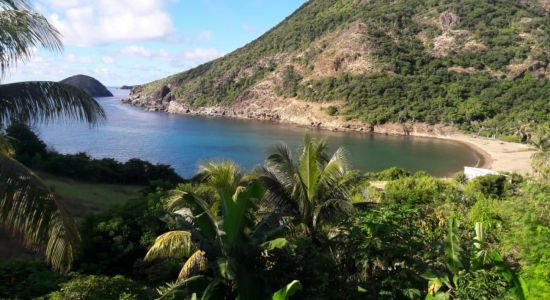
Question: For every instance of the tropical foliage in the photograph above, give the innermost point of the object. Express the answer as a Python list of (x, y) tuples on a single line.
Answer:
[(222, 248), (27, 207), (228, 234), (315, 189)]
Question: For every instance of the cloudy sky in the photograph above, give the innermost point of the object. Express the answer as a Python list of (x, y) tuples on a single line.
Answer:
[(135, 41)]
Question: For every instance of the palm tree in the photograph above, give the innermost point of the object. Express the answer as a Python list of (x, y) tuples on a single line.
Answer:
[(314, 189), (27, 206), (227, 248)]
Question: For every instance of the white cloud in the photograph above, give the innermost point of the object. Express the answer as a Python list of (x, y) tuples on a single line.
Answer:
[(79, 59), (202, 55), (108, 60), (205, 35), (96, 22), (136, 50)]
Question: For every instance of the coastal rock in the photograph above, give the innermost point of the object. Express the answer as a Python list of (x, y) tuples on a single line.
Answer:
[(161, 93), (89, 85)]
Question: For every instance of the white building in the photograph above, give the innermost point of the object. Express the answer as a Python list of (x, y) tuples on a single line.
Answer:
[(472, 173)]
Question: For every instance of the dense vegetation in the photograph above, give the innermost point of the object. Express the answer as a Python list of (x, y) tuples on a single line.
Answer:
[(229, 234), (410, 83), (33, 152)]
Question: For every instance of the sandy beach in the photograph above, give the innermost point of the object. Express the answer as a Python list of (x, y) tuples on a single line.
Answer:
[(496, 155)]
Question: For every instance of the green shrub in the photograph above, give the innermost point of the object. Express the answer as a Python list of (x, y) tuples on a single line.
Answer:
[(387, 247), (26, 280), (420, 190), (460, 177), (392, 173), (510, 138), (490, 186), (94, 287), (481, 284), (113, 241), (332, 110)]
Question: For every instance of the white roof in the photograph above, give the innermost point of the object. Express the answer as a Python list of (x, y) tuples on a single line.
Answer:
[(471, 172)]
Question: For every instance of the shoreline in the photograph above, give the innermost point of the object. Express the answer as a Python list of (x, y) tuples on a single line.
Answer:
[(492, 154)]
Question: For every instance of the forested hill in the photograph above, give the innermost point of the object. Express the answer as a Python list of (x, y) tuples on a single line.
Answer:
[(479, 64)]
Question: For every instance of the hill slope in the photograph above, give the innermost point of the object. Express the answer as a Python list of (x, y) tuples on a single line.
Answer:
[(89, 85), (480, 65)]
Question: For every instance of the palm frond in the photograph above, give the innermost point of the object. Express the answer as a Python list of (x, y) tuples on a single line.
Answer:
[(334, 171), (280, 161), (28, 207), (309, 167), (181, 289), (21, 31), (237, 216), (224, 176), (203, 219), (196, 264), (330, 209), (6, 147), (172, 244), (14, 4), (278, 195), (175, 200), (40, 101), (452, 246)]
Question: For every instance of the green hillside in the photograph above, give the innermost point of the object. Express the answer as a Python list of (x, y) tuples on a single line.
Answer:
[(479, 64)]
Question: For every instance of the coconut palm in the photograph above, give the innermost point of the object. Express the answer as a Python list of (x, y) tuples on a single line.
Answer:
[(222, 252), (315, 188), (27, 206)]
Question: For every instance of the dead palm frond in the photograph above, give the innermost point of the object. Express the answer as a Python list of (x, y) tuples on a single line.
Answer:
[(172, 244), (194, 265)]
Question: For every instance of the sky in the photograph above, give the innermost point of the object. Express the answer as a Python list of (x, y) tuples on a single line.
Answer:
[(128, 42)]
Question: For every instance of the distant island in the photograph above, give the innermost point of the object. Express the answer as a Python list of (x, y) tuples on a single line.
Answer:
[(89, 85), (126, 87)]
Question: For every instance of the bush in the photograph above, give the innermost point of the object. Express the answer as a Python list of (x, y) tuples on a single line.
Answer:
[(28, 147), (112, 242), (490, 186), (460, 177), (332, 110), (95, 287), (481, 284), (392, 173), (383, 246), (26, 280), (420, 189)]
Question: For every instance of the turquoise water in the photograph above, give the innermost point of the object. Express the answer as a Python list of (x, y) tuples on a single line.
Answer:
[(184, 142)]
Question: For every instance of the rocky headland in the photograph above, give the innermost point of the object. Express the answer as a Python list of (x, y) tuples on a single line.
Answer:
[(89, 85)]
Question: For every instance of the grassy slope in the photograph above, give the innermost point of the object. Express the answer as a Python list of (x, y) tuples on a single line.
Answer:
[(87, 198), (82, 199)]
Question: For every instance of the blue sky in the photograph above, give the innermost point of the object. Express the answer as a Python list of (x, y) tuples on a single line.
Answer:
[(136, 41)]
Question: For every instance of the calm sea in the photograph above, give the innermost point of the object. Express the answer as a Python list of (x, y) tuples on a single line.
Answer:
[(184, 142)]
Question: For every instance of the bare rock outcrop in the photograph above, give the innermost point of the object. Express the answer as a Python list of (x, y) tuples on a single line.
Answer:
[(448, 20)]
